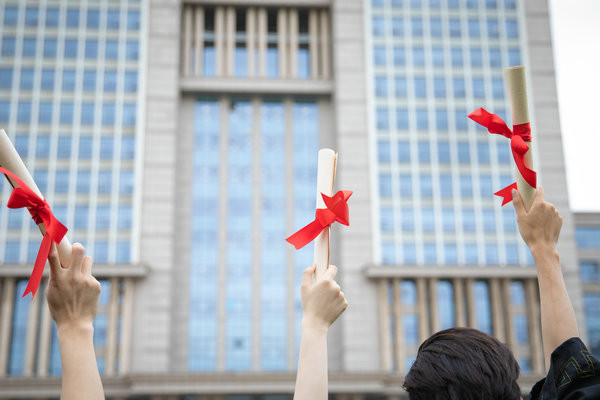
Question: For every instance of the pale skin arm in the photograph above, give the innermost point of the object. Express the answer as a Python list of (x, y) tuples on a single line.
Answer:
[(322, 303), (72, 296), (540, 228)]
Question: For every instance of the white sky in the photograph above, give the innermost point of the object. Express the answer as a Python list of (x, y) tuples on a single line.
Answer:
[(576, 35)]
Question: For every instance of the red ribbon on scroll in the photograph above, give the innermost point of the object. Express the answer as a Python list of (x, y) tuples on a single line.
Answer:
[(520, 134), (337, 210), (40, 211)]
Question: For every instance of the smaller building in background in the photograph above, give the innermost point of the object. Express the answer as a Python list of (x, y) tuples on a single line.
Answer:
[(587, 237)]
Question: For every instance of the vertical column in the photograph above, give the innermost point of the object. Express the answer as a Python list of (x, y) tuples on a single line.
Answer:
[(508, 316), (225, 104), (422, 309), (324, 58), (433, 302), (220, 40), (293, 43), (199, 39), (384, 327), (126, 317), (8, 298), (111, 331), (32, 329), (229, 40), (313, 43), (251, 35), (187, 39), (472, 319), (498, 301), (400, 350), (44, 340), (262, 41), (459, 302), (534, 325), (282, 28)]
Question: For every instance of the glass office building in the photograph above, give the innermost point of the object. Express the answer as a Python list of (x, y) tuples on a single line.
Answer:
[(178, 142)]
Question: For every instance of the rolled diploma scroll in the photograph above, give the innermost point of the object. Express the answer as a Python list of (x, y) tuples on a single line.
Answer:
[(325, 178), (517, 96), (10, 159)]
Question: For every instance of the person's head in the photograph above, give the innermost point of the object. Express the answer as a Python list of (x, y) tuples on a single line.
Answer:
[(463, 364)]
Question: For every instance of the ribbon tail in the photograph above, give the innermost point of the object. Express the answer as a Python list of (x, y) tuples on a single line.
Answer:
[(528, 174), (305, 235), (506, 193), (38, 267)]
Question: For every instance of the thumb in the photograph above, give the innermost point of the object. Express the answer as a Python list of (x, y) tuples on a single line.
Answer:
[(518, 203), (54, 262), (307, 275)]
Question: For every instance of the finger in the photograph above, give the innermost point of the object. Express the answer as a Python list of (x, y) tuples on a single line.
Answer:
[(54, 261), (330, 273), (518, 204), (77, 254), (539, 195), (307, 275), (86, 266)]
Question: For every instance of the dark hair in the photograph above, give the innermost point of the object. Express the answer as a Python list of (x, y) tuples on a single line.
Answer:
[(463, 364)]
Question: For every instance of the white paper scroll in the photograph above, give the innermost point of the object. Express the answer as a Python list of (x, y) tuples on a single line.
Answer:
[(517, 95), (10, 159), (325, 179)]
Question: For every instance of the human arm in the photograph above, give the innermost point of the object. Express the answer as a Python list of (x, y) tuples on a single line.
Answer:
[(322, 303), (540, 228), (72, 297)]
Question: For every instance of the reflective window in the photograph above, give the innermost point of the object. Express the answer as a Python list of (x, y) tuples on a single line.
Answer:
[(110, 80), (459, 87), (464, 155), (26, 79), (405, 182), (476, 57), (514, 57), (587, 237), (426, 185), (400, 87), (402, 118), (456, 56), (68, 80), (385, 185), (89, 80), (492, 26), (429, 252), (591, 305), (378, 24), (478, 88), (399, 56), (383, 151), (512, 29), (482, 307), (445, 304), (497, 88), (424, 152), (454, 25), (29, 47), (436, 27), (133, 20), (446, 185), (131, 50), (379, 56), (448, 220), (397, 26), (473, 25), (439, 87), (403, 151), (418, 56), (416, 25), (49, 48), (111, 49), (422, 121), (409, 252), (489, 220), (380, 86), (468, 217), (437, 55), (6, 76), (52, 17), (408, 219), (11, 15), (495, 57), (72, 18), (589, 271), (93, 18), (386, 219), (91, 49), (16, 358), (443, 152), (441, 119), (420, 85), (8, 46), (520, 322), (383, 119), (70, 48), (491, 254), (112, 19)]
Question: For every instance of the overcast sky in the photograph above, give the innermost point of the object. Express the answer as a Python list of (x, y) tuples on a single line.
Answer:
[(576, 31)]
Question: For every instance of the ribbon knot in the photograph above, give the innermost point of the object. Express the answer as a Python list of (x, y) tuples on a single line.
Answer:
[(40, 211), (336, 211), (519, 135)]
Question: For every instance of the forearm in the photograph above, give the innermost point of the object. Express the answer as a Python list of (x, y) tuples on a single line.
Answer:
[(311, 379), (557, 315), (80, 376)]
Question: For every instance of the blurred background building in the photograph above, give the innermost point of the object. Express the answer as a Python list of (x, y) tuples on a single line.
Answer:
[(178, 142)]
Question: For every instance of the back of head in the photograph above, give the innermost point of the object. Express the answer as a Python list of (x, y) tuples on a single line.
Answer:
[(465, 364)]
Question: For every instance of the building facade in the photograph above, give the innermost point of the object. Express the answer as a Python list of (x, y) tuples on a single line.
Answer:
[(178, 141)]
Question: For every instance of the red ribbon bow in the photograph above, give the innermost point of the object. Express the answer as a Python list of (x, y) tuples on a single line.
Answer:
[(337, 210), (40, 211), (520, 134)]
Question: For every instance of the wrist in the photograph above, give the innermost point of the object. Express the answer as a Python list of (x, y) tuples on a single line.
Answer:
[(75, 329), (314, 325), (543, 250)]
